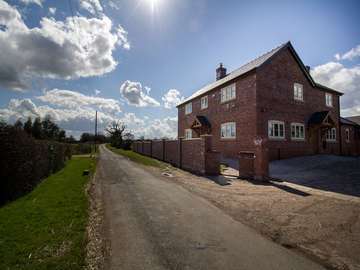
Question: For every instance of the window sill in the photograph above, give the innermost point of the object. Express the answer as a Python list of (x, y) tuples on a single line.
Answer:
[(299, 100), (277, 139), (298, 139), (228, 139), (203, 108), (226, 101)]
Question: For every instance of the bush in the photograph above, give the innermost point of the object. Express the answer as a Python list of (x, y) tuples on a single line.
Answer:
[(82, 148), (25, 162)]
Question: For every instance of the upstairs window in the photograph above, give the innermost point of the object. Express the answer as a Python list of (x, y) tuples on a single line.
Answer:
[(347, 135), (188, 108), (228, 93), (297, 131), (298, 92), (204, 102), (276, 129), (331, 135), (188, 133), (328, 100), (228, 130)]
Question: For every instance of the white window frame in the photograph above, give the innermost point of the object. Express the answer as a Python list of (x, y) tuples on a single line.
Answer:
[(271, 129), (204, 102), (296, 128), (298, 92), (188, 108), (347, 135), (228, 130), (228, 93), (331, 135), (188, 134), (329, 99)]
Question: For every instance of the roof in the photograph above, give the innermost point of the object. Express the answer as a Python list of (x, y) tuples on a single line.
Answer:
[(347, 121), (318, 117), (355, 119), (253, 65)]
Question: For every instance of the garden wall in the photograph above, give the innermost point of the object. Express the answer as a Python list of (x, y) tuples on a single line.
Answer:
[(195, 155), (25, 162)]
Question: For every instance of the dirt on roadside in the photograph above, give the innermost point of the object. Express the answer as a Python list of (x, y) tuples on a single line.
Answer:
[(325, 228)]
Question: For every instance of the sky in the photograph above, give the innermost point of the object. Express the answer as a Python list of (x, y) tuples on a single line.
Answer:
[(134, 60)]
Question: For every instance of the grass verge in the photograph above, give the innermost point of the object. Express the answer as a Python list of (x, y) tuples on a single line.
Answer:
[(148, 161), (46, 228)]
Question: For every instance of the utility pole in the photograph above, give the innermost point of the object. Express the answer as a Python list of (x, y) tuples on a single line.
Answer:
[(95, 135)]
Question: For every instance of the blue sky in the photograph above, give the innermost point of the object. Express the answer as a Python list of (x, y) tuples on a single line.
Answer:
[(68, 61)]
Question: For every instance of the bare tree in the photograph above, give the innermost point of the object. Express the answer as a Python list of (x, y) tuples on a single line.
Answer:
[(116, 131)]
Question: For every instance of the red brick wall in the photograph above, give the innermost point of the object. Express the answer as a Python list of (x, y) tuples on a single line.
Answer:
[(275, 101), (172, 152), (352, 147), (240, 110), (147, 148), (196, 154), (157, 149)]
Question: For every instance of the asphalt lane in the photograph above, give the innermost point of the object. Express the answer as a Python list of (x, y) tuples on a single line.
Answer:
[(151, 223)]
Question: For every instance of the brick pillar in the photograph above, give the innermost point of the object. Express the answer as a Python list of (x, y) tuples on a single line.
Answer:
[(163, 149), (207, 141), (261, 163)]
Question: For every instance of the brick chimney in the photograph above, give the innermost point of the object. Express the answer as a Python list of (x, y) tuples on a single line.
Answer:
[(220, 72)]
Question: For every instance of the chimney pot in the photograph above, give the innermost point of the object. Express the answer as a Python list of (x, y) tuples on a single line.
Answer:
[(308, 68)]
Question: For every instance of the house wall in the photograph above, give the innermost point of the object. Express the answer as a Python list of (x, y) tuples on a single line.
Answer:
[(351, 147), (240, 110), (275, 101)]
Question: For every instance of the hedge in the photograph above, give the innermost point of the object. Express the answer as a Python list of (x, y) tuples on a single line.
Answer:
[(25, 162)]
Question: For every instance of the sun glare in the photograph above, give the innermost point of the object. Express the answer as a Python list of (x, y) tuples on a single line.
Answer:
[(153, 4)]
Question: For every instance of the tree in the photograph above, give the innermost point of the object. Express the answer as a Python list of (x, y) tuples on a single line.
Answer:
[(87, 137), (28, 126), (36, 129), (116, 130), (128, 139), (18, 125), (50, 130), (61, 135)]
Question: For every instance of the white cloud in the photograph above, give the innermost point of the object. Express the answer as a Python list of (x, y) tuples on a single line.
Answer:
[(37, 2), (80, 119), (52, 10), (349, 55), (151, 128), (71, 99), (92, 6), (74, 48), (136, 95), (172, 98), (345, 79)]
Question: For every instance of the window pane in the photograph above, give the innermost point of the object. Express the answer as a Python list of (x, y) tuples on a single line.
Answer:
[(276, 130), (281, 130)]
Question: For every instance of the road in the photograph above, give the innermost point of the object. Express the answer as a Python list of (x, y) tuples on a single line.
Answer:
[(151, 223)]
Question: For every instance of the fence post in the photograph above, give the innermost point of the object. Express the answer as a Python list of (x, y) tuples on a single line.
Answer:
[(142, 147), (163, 149), (180, 151), (151, 147)]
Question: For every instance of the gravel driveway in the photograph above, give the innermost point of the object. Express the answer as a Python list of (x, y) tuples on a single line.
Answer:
[(326, 172)]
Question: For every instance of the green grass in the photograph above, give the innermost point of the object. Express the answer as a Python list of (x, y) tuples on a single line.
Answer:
[(148, 161), (46, 228)]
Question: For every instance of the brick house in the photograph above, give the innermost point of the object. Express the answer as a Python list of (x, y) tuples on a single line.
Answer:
[(272, 97)]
